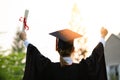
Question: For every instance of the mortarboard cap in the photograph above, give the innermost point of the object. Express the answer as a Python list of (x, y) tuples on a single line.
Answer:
[(65, 35), (65, 38)]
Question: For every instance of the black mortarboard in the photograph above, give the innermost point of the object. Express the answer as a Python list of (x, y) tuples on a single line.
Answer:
[(65, 38)]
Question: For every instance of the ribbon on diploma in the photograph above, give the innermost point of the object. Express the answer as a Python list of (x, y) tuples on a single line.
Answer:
[(26, 27)]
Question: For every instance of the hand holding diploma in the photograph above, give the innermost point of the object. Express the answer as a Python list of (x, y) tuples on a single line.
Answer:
[(25, 26), (23, 36)]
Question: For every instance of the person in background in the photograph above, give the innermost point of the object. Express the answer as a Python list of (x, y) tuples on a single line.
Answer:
[(39, 67)]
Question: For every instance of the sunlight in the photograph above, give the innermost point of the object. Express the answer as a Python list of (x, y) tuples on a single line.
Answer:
[(83, 16)]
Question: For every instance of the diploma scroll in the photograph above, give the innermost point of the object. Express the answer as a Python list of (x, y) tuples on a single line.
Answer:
[(25, 20)]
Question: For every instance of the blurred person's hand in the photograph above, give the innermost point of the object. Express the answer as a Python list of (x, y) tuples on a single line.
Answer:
[(23, 36), (104, 32)]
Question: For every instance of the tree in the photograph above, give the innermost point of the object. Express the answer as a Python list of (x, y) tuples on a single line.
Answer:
[(80, 43), (17, 43), (12, 65)]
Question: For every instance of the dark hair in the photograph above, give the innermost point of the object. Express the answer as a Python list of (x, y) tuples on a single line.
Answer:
[(65, 48)]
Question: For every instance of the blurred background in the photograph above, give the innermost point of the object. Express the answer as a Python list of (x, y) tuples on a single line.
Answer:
[(83, 16)]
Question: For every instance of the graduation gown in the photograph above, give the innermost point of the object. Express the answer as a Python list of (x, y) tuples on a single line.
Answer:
[(39, 67)]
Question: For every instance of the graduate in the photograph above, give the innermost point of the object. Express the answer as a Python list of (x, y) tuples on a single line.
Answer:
[(39, 67)]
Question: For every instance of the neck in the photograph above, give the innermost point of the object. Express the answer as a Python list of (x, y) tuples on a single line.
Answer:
[(68, 60)]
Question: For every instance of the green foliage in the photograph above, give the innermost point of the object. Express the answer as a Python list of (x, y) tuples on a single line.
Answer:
[(11, 66)]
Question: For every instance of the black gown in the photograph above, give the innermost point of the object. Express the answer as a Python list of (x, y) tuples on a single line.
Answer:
[(39, 67)]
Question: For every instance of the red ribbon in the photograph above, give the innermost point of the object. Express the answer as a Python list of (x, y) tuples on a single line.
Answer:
[(24, 22)]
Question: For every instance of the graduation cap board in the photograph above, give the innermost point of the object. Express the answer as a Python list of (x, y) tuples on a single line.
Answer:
[(66, 35), (112, 50), (63, 37)]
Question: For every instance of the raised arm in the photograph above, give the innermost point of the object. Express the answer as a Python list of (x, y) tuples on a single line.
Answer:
[(96, 62), (36, 63)]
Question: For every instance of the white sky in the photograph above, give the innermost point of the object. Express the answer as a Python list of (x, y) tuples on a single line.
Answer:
[(50, 15)]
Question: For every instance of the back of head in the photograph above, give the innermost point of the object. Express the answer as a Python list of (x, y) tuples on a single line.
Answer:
[(64, 48)]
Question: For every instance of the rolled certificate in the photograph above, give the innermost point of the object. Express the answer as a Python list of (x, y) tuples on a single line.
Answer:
[(25, 19)]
